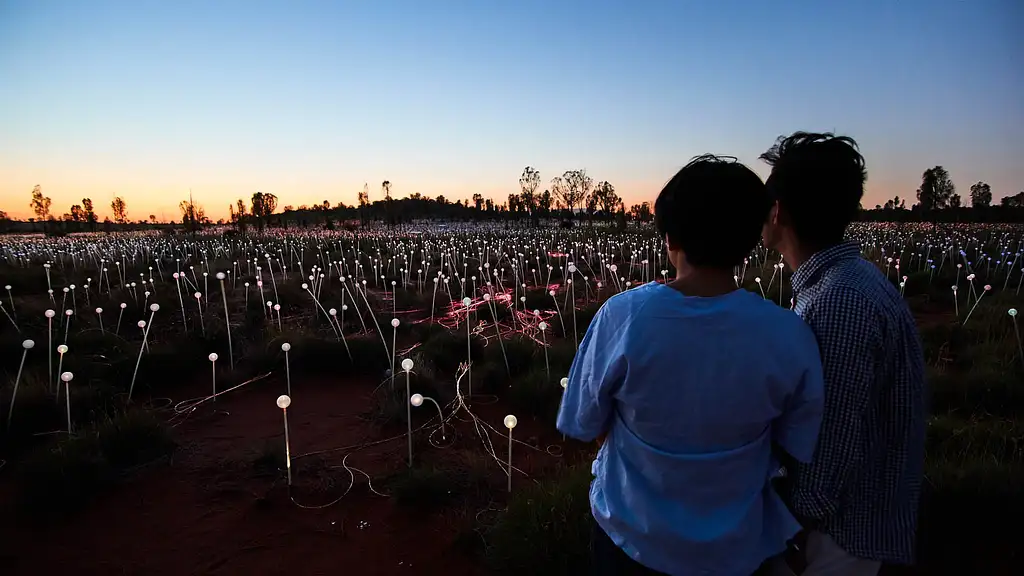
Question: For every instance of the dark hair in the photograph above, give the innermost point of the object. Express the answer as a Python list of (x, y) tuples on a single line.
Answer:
[(818, 181), (713, 209)]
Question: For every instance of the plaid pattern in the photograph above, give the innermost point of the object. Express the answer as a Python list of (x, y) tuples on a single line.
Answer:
[(863, 485)]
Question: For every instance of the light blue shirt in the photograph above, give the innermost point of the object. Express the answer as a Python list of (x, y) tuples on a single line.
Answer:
[(692, 392)]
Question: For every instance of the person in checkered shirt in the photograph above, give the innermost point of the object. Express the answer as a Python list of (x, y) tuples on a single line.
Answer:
[(858, 497)]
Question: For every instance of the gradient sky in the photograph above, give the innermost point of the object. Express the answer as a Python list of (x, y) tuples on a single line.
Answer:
[(309, 100)]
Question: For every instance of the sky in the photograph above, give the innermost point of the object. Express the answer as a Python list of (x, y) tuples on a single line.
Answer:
[(149, 99)]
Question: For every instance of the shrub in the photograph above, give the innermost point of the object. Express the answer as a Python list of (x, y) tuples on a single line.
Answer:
[(536, 394), (522, 540), (132, 438), (63, 479)]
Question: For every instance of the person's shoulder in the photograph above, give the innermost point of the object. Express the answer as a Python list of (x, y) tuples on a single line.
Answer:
[(861, 281), (777, 318), (629, 302)]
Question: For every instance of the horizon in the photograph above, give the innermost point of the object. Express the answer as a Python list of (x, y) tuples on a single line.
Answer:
[(310, 100)]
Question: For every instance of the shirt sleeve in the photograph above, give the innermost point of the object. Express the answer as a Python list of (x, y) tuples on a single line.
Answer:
[(596, 372), (796, 430), (850, 340)]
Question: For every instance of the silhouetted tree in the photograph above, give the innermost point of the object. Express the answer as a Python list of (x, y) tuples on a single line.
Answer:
[(954, 201), (40, 204), (263, 205), (90, 214), (936, 189), (120, 210), (1015, 201), (981, 195), (192, 215), (528, 184)]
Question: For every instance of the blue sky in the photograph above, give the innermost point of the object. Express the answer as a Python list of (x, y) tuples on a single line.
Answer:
[(309, 100)]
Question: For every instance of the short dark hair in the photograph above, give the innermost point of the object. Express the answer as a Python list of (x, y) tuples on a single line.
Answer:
[(713, 209), (818, 180)]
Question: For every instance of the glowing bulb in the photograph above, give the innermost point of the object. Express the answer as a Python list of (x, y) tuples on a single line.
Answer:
[(99, 310), (1012, 312), (543, 326), (564, 382), (395, 322), (28, 344), (416, 400), (407, 364), (510, 421), (286, 347), (213, 357), (221, 276), (142, 324), (154, 307), (62, 349), (284, 401), (66, 377), (466, 302), (50, 314)]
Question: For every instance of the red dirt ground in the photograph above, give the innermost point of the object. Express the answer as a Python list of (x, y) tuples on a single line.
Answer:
[(208, 513)]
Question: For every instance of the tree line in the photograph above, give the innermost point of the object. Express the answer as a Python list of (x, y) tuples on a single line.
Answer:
[(573, 195), (938, 201)]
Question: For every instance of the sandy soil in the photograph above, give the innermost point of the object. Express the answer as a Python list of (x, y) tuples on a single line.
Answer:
[(208, 512)]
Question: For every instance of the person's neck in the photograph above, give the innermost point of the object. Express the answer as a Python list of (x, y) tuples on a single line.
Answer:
[(795, 254), (704, 282)]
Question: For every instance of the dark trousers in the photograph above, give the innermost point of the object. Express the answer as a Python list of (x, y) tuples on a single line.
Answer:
[(607, 559)]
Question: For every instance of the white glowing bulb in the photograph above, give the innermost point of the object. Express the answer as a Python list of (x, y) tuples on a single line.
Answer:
[(305, 286), (333, 312), (99, 310), (1012, 312), (213, 356), (49, 313), (284, 401), (62, 349), (69, 312), (142, 324), (466, 301), (66, 377), (416, 400), (286, 347), (510, 421), (543, 326), (395, 322), (28, 344), (198, 295), (407, 364), (564, 382)]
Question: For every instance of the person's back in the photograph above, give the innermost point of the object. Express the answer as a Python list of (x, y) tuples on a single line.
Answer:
[(884, 461), (690, 384), (858, 498)]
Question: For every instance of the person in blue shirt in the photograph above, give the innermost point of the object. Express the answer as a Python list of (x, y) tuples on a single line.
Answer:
[(688, 386)]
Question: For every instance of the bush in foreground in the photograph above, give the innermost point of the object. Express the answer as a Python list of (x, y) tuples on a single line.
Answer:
[(65, 477), (523, 540)]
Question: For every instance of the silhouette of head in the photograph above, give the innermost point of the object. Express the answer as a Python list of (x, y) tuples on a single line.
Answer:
[(711, 212), (816, 185)]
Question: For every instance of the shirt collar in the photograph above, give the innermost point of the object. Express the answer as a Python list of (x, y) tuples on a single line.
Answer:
[(822, 260)]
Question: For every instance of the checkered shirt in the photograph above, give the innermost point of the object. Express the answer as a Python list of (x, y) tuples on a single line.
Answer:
[(863, 485)]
